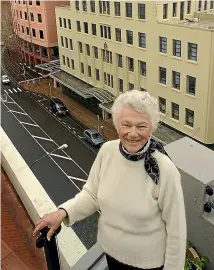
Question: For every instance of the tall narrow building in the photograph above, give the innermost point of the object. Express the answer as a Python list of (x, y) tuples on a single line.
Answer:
[(163, 47), (35, 24)]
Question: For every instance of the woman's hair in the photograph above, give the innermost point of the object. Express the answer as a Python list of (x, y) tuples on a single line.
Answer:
[(141, 101)]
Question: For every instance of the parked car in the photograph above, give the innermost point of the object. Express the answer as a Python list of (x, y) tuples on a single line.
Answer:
[(58, 107), (5, 79), (94, 137)]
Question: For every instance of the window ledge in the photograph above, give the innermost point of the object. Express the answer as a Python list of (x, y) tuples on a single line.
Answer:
[(162, 114), (130, 45), (163, 54), (192, 62), (101, 14), (144, 76), (176, 90), (189, 127), (176, 58), (129, 18), (161, 84), (119, 17), (118, 42), (191, 96), (175, 120), (142, 48), (141, 20)]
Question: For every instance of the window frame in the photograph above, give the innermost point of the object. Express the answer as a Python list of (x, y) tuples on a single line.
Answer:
[(176, 80), (162, 79), (190, 89), (141, 15), (142, 40), (175, 111), (161, 104), (128, 9), (192, 51), (176, 48), (129, 37)]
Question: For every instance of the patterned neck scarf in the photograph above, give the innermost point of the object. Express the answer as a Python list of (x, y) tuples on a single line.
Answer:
[(151, 165)]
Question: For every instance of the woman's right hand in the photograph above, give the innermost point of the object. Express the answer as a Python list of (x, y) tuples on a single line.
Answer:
[(52, 221)]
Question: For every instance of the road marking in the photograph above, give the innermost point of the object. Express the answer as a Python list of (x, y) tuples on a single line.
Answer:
[(46, 107), (42, 138), (59, 118), (19, 89), (29, 124), (55, 155), (76, 178), (81, 137), (6, 92), (11, 102), (14, 90), (18, 112), (69, 127), (74, 132), (40, 74), (64, 123), (10, 91)]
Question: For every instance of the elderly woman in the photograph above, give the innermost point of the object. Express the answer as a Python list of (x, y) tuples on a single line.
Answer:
[(138, 190)]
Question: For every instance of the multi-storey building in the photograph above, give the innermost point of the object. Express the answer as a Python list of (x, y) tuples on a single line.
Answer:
[(165, 48), (35, 23)]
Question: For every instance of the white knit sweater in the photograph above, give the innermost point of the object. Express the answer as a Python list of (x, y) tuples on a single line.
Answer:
[(141, 223)]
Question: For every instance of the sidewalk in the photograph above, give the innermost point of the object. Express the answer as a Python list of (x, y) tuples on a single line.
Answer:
[(88, 118), (18, 250)]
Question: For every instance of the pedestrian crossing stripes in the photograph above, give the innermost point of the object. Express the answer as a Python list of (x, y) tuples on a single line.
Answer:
[(12, 91)]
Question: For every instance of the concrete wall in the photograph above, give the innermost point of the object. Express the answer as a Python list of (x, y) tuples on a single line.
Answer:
[(36, 200)]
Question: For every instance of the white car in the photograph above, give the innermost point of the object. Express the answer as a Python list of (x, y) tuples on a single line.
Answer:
[(5, 79)]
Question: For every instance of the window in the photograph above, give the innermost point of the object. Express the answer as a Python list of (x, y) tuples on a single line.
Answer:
[(142, 40), (129, 37), (162, 105), (205, 4), (26, 17), (69, 23), (63, 60), (120, 85), (97, 73), (85, 27), (24, 2), (199, 5), (66, 42), (142, 11), (142, 89), (89, 71), (37, 3), (60, 22), (87, 49), (78, 26), (77, 4), (92, 4), (39, 16), (163, 44), (177, 48), (20, 13), (192, 51), (129, 10), (165, 11), (62, 41), (41, 34), (131, 64), (30, 3), (65, 23), (96, 52), (23, 30), (104, 7), (211, 4), (27, 30), (72, 64), (84, 5), (80, 47), (119, 60), (142, 66), (131, 86), (19, 27), (117, 8), (107, 56), (82, 68), (34, 32), (175, 111), (118, 34), (191, 85), (174, 10), (176, 79), (105, 31), (162, 75), (71, 44), (31, 16), (188, 6), (94, 29), (189, 117), (68, 62)]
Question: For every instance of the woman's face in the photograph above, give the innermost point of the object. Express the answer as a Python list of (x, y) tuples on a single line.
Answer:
[(134, 129)]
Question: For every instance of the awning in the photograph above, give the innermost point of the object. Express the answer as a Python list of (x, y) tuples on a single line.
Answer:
[(51, 67), (81, 88), (107, 106)]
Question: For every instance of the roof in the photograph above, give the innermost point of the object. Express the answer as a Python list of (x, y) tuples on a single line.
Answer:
[(193, 158), (52, 66)]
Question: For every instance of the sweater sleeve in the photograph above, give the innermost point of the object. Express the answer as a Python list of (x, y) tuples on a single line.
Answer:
[(85, 202), (171, 203)]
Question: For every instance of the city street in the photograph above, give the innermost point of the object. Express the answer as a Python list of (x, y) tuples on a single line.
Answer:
[(35, 131)]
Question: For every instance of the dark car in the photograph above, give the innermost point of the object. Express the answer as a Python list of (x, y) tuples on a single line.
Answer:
[(58, 107), (94, 137)]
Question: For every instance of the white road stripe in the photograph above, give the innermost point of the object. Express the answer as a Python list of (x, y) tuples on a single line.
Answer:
[(81, 137), (74, 132), (69, 127), (76, 178), (42, 138), (29, 124), (10, 91), (6, 92), (14, 90), (19, 89), (55, 155), (64, 123), (18, 112)]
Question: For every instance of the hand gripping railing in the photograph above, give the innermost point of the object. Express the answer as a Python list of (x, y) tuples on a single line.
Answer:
[(50, 248)]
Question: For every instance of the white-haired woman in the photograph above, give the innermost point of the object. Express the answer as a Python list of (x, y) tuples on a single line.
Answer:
[(138, 190)]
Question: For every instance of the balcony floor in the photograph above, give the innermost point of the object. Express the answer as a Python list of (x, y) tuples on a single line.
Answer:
[(18, 251)]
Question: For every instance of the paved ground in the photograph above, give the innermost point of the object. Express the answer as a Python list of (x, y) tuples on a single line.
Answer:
[(18, 246)]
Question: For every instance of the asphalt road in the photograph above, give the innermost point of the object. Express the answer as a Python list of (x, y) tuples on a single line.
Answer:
[(35, 131)]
